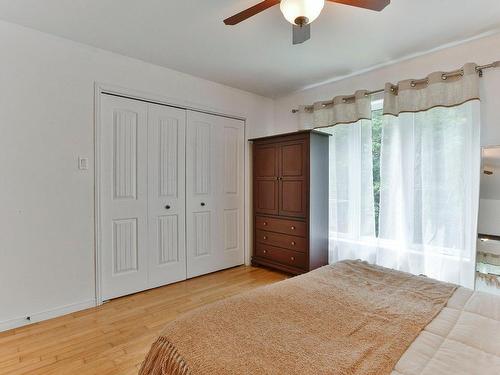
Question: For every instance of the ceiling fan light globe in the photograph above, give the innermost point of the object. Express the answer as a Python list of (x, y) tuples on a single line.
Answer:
[(300, 9)]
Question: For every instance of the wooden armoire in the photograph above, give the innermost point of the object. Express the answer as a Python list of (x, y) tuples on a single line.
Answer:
[(290, 201)]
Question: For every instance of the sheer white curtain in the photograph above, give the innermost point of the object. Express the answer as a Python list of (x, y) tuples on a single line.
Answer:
[(430, 170), (352, 216), (351, 202), (429, 176)]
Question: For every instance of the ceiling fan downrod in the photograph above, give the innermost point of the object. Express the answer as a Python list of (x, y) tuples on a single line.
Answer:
[(301, 21)]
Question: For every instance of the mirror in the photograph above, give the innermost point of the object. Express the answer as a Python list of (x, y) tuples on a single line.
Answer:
[(488, 246)]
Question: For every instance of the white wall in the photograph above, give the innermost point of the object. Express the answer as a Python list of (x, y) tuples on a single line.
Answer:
[(46, 122), (489, 206), (489, 216)]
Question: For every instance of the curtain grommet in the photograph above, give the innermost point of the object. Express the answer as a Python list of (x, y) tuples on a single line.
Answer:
[(444, 77), (413, 84)]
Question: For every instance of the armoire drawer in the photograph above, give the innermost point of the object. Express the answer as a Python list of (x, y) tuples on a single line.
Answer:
[(282, 240), (283, 256), (291, 227)]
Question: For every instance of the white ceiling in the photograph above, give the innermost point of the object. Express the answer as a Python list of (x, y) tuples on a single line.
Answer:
[(257, 55)]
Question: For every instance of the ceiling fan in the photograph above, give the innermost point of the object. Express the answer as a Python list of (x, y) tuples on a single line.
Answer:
[(300, 13)]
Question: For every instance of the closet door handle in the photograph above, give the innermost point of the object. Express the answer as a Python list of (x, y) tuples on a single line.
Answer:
[(167, 207), (203, 204)]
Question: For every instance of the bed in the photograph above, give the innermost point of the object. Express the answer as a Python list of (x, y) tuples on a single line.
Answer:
[(350, 318)]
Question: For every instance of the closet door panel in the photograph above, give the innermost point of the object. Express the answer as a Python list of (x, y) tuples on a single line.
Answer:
[(201, 208), (166, 203), (232, 197), (215, 172), (123, 196)]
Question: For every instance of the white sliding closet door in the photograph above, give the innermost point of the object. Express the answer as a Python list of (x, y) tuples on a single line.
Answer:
[(171, 195), (124, 196), (166, 180), (214, 192)]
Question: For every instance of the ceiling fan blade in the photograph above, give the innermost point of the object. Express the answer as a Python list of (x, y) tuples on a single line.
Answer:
[(301, 33), (377, 5), (242, 16)]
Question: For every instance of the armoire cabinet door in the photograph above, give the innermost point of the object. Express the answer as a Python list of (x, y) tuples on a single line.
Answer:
[(167, 197), (293, 170), (266, 183), (215, 193), (123, 196)]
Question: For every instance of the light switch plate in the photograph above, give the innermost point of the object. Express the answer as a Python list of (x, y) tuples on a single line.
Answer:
[(83, 163)]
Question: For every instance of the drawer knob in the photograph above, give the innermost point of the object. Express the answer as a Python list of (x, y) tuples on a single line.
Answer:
[(264, 251), (264, 223), (265, 237), (292, 258), (292, 227), (293, 243)]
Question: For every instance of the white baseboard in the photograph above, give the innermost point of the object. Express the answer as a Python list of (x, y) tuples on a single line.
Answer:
[(45, 315)]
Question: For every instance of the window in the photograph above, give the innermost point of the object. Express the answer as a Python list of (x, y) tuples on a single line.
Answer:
[(403, 190), (355, 151)]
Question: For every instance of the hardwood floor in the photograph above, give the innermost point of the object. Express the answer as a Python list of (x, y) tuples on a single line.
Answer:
[(114, 338)]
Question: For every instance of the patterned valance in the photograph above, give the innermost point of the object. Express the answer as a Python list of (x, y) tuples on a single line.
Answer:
[(439, 89), (340, 110)]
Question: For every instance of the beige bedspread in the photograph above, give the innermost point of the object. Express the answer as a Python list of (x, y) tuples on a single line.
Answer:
[(350, 318)]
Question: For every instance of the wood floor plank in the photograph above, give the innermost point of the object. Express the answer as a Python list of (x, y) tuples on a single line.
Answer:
[(114, 338)]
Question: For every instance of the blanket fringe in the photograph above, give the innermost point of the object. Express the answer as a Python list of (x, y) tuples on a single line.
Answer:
[(164, 359)]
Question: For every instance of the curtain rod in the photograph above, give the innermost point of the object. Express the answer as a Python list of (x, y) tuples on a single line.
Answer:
[(479, 70)]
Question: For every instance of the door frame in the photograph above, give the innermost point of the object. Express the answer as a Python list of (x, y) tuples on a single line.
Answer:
[(127, 93)]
